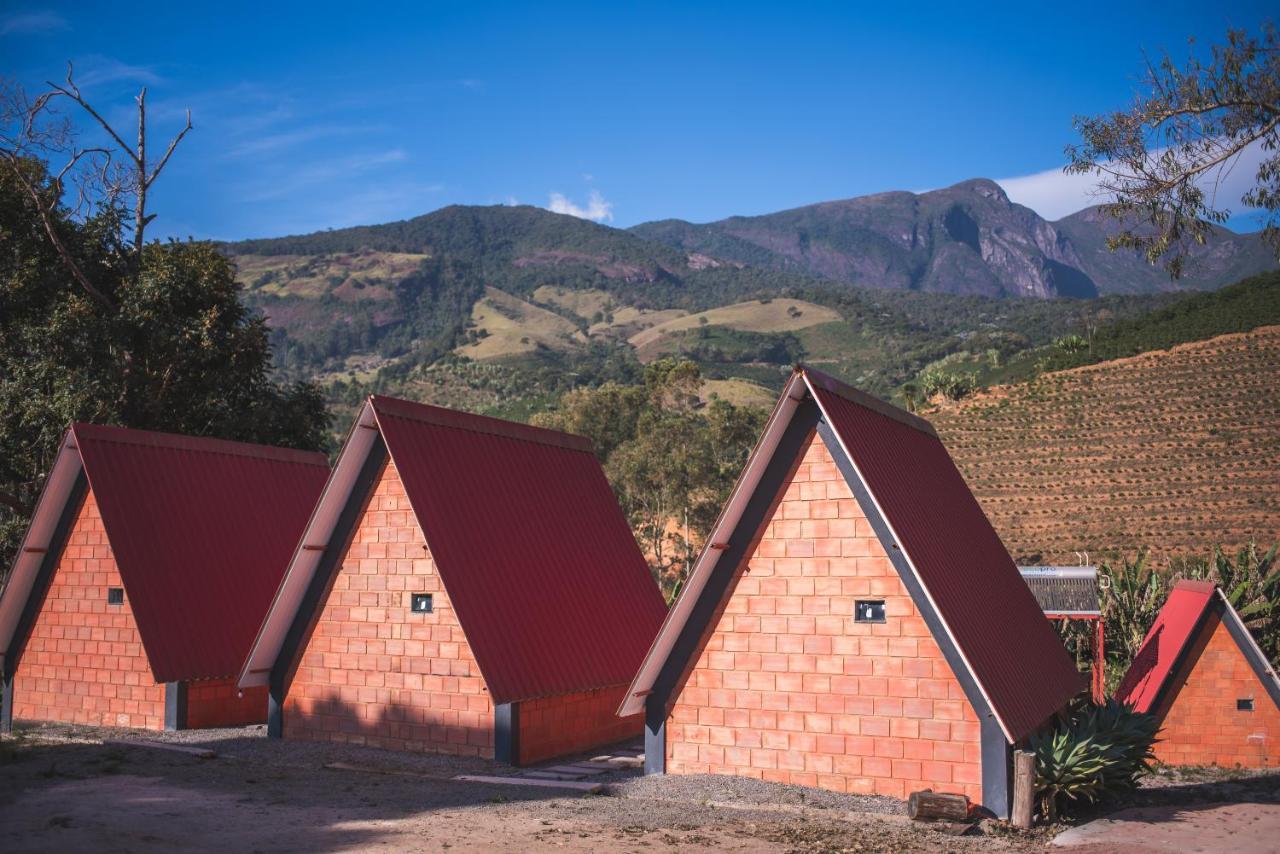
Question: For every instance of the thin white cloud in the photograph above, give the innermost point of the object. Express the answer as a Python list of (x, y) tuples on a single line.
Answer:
[(98, 70), (326, 171), (271, 143), (1054, 194), (597, 209), (32, 23)]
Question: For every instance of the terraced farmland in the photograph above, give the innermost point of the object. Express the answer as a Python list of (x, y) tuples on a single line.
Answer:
[(1174, 450)]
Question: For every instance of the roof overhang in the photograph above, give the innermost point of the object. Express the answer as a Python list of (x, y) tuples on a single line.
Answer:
[(316, 539), (798, 388), (792, 394), (38, 539)]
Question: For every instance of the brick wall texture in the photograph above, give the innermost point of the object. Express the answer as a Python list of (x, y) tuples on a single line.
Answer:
[(84, 662), (789, 688), (219, 703), (375, 673), (1203, 726), (570, 723)]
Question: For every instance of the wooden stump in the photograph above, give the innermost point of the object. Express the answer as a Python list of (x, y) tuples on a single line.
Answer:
[(928, 806), (1024, 787)]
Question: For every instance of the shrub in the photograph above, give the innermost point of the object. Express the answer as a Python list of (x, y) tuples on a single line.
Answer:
[(1098, 752), (951, 386), (1071, 344)]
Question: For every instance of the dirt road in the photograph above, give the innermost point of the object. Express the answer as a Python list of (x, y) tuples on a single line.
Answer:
[(61, 789)]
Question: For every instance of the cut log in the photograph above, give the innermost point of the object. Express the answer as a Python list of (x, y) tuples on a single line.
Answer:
[(930, 806), (1024, 787)]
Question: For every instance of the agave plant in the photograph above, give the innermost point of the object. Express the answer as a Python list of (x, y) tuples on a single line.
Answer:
[(1099, 751)]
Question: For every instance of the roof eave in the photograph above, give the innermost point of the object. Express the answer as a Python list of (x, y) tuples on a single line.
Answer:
[(316, 537), (678, 613), (54, 495)]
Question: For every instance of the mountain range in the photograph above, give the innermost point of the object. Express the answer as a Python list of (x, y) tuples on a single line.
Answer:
[(965, 239), (874, 288)]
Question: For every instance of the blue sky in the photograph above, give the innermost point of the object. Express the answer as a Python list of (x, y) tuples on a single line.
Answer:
[(317, 115)]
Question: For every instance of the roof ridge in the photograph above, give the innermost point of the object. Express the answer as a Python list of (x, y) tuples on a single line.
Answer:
[(196, 444), (862, 398), (485, 424)]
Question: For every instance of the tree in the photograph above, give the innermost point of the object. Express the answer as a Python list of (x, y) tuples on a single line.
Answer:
[(671, 461), (1162, 160), (98, 326)]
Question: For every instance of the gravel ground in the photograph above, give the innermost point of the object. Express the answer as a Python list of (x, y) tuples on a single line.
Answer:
[(62, 789), (743, 791)]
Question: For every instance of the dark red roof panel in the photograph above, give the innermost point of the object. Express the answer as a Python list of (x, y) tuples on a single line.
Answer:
[(202, 531), (1172, 631), (543, 571), (1012, 650)]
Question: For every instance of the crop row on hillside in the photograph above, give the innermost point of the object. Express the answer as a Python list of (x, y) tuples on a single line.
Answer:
[(1173, 450)]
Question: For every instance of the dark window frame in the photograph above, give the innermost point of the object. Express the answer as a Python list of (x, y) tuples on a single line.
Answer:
[(415, 598), (115, 596), (1244, 704), (858, 606)]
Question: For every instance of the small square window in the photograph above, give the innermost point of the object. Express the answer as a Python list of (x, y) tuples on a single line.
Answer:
[(115, 595), (421, 603), (1244, 705), (868, 611)]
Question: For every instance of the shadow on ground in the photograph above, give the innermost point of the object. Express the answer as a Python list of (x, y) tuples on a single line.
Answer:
[(257, 794)]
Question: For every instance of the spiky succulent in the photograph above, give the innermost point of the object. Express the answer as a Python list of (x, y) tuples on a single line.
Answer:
[(1099, 750)]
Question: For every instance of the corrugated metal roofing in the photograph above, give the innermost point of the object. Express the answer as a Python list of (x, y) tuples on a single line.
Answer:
[(1013, 652), (202, 531), (1173, 630), (539, 562)]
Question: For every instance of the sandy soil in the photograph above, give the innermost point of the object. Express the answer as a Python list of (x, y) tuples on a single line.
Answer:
[(61, 789)]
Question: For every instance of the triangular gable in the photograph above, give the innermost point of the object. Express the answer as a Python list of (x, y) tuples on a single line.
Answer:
[(947, 554), (200, 530), (1165, 651), (543, 572)]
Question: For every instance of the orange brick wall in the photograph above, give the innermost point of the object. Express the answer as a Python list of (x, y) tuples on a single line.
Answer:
[(218, 703), (571, 723), (789, 688), (84, 661), (373, 672), (1203, 727)]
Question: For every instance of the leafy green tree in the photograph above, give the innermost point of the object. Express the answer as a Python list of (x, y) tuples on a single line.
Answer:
[(671, 460), (96, 324), (1162, 159)]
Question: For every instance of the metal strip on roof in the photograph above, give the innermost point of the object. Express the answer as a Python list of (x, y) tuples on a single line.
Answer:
[(201, 531), (1162, 654), (541, 567), (543, 572), (1017, 659)]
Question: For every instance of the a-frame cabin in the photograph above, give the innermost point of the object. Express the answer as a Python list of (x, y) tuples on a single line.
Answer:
[(854, 622)]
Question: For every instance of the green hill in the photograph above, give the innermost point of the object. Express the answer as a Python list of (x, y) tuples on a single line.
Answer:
[(1241, 307), (501, 309)]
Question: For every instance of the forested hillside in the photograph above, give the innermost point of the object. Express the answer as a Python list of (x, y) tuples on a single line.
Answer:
[(501, 309)]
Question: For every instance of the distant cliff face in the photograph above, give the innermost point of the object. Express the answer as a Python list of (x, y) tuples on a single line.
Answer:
[(966, 239)]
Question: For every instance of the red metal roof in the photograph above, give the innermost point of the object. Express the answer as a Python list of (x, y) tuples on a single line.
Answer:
[(202, 531), (1013, 652), (1173, 630), (539, 562)]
